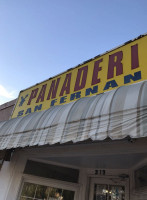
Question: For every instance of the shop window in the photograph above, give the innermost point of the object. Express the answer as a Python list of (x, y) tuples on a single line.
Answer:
[(141, 177), (31, 191), (51, 171)]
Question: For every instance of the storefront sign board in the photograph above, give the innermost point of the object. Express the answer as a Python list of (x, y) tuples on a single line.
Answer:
[(124, 65)]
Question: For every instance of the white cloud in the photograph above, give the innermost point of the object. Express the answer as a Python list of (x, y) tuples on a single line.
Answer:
[(6, 95)]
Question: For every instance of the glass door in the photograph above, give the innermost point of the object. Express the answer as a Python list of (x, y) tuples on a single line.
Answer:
[(108, 189)]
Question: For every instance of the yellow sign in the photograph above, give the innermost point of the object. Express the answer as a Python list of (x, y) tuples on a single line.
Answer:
[(126, 64)]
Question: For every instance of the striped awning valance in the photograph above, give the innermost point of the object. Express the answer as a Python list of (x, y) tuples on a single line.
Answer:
[(115, 114)]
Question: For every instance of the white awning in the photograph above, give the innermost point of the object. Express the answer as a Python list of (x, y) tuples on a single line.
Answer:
[(115, 114)]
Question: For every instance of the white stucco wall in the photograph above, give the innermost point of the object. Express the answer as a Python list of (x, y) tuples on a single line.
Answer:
[(10, 177)]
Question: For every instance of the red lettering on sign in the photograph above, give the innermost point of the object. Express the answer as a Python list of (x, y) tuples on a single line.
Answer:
[(41, 94), (66, 85), (81, 78), (53, 89), (115, 61), (33, 95), (97, 68), (134, 57)]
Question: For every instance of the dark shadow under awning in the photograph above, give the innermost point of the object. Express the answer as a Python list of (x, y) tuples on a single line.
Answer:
[(115, 114)]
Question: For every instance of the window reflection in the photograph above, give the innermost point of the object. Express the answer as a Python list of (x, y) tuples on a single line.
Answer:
[(32, 191), (109, 192)]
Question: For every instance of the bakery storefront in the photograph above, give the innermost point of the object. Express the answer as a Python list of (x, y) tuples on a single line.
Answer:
[(81, 135)]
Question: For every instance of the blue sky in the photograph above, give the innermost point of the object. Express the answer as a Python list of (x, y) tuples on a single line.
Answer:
[(42, 38)]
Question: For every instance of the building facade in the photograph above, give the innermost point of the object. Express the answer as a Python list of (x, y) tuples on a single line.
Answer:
[(99, 154), (94, 148)]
